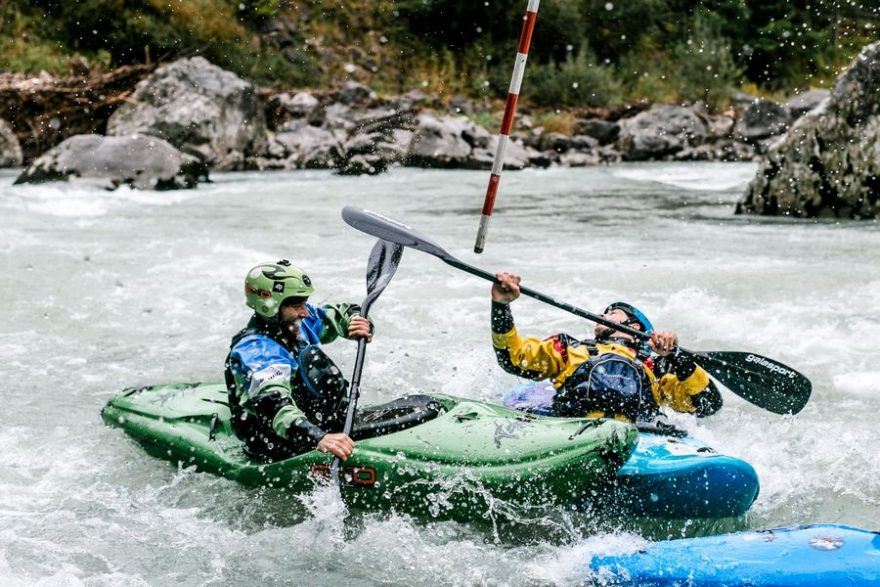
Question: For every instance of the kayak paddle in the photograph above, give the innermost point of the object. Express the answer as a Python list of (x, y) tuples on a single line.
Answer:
[(764, 382), (384, 259)]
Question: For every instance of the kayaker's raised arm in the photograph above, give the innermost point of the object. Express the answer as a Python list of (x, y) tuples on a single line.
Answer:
[(531, 358)]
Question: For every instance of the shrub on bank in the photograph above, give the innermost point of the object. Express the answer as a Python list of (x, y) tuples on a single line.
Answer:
[(587, 53)]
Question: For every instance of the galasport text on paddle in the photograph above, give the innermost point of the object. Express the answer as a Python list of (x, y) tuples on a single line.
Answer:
[(764, 382)]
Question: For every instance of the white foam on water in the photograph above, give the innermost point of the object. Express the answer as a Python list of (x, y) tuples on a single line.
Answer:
[(82, 199), (864, 385), (702, 176), (571, 564)]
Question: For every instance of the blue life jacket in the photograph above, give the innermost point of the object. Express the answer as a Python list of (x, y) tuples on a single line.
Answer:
[(608, 383)]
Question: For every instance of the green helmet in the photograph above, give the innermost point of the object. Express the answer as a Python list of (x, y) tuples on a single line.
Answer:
[(268, 284)]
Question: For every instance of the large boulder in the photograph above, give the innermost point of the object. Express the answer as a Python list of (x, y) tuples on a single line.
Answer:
[(353, 93), (10, 149), (140, 161), (283, 107), (660, 132), (198, 108), (828, 164), (379, 138)]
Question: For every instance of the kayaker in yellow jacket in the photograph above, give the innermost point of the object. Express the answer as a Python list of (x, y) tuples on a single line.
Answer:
[(613, 375)]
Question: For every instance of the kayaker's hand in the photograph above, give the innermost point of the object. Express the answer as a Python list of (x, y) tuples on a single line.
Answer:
[(506, 287), (359, 327), (337, 444), (663, 342)]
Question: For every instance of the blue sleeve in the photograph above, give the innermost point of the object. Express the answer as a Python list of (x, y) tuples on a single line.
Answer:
[(313, 324)]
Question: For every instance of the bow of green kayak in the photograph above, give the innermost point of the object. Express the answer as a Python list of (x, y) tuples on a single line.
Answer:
[(447, 464)]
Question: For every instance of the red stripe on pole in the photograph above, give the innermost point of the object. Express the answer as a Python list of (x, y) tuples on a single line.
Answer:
[(509, 113), (491, 192), (525, 37)]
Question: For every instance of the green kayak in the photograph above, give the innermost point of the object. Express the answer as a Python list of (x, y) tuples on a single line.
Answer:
[(427, 455)]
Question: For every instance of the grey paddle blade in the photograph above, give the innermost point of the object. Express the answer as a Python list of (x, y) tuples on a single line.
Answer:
[(390, 230), (383, 263)]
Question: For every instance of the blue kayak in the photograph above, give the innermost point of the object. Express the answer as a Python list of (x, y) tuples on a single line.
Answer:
[(817, 555), (666, 476)]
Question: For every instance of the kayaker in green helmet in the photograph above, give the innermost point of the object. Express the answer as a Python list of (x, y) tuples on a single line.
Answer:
[(285, 394), (612, 375)]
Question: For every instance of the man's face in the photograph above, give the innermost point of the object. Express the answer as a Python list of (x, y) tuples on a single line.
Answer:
[(617, 316), (290, 316)]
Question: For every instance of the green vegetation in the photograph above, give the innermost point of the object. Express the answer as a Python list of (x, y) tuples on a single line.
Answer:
[(584, 52)]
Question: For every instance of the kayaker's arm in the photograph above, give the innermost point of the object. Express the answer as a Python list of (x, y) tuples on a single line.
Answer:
[(530, 358), (685, 386), (291, 423), (276, 408), (336, 320)]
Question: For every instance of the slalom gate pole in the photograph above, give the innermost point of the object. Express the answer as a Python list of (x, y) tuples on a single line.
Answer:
[(519, 67)]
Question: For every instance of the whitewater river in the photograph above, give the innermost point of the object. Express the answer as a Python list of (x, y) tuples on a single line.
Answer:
[(103, 290)]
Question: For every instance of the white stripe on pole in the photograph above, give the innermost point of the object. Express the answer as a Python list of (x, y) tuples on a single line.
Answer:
[(498, 163), (519, 69)]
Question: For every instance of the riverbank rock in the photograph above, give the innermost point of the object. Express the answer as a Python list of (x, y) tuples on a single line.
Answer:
[(760, 119), (353, 93), (200, 109), (381, 138), (660, 132), (828, 164), (284, 106), (444, 141), (10, 149), (516, 155), (457, 142), (140, 161), (304, 146), (602, 130), (226, 122)]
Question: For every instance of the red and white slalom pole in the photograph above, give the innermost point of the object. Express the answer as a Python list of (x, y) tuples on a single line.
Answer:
[(522, 53)]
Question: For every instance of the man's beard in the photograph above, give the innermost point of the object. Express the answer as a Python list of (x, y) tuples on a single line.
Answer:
[(293, 328)]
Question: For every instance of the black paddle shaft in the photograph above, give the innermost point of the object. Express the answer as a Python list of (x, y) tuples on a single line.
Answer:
[(384, 259), (552, 301), (759, 380)]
